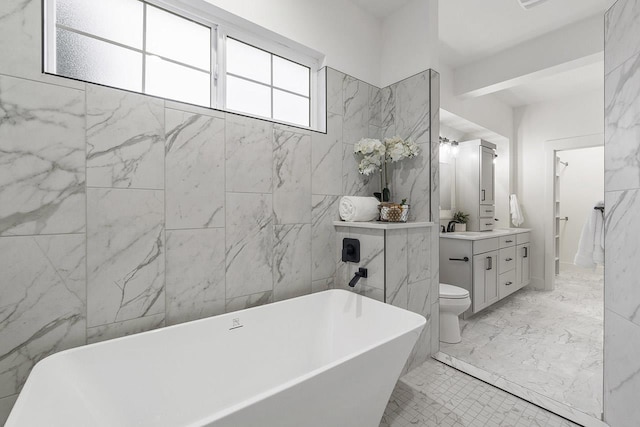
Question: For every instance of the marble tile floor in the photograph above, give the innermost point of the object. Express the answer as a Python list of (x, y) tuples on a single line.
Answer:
[(435, 394), (548, 342)]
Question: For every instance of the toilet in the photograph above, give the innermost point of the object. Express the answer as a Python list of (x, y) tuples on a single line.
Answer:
[(453, 302)]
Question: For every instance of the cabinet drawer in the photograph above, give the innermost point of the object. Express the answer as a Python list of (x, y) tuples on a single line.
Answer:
[(487, 224), (485, 245), (507, 284), (487, 211), (507, 260), (522, 238), (507, 241)]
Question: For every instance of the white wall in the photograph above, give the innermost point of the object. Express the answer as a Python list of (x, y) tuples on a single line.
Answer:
[(581, 186), (409, 41), (348, 36), (534, 125), (486, 111)]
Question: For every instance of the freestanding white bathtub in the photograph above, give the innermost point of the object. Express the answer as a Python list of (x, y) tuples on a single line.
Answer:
[(327, 359)]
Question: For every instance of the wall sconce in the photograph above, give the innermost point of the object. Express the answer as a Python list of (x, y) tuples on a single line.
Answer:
[(449, 147)]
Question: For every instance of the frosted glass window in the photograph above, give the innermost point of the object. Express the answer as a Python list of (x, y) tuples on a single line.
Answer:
[(290, 108), (248, 97), (290, 76), (248, 62), (116, 20), (95, 61), (177, 38), (173, 81)]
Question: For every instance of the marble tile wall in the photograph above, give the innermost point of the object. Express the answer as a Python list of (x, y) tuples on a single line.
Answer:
[(622, 198), (121, 213)]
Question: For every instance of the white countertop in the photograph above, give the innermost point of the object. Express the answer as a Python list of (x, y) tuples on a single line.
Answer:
[(479, 235), (379, 225)]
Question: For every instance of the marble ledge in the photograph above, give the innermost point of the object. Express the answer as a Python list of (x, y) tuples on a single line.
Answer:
[(480, 235), (379, 225)]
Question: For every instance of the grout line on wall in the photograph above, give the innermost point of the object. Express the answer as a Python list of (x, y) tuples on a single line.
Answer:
[(86, 223)]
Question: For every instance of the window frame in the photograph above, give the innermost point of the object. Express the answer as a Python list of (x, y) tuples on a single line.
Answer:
[(222, 25)]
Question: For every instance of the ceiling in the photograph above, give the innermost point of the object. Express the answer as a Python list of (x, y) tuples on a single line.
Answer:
[(566, 84), (471, 29), (381, 8)]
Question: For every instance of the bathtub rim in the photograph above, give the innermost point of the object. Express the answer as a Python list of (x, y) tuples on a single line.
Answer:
[(417, 329)]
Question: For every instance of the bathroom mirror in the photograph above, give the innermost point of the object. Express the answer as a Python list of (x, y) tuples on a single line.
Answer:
[(447, 187)]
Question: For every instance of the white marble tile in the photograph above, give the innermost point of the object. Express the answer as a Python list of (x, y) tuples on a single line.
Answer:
[(249, 155), (342, 269), (622, 365), (195, 274), (326, 158), (125, 254), (622, 126), (323, 236), (6, 404), (356, 110), (388, 111), (249, 244), (125, 139), (291, 261), (419, 250), (322, 285), (412, 108), (126, 328), (549, 343), (335, 92), (411, 181), (435, 326), (372, 257), (291, 178), (434, 136), (41, 158), (43, 302), (195, 186), (396, 268), (353, 183), (249, 301), (621, 33), (375, 106), (622, 293)]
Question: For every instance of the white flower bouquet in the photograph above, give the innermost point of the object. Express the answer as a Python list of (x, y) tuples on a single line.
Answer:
[(376, 154)]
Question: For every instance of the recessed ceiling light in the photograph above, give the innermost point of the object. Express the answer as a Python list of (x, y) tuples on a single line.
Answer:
[(528, 4)]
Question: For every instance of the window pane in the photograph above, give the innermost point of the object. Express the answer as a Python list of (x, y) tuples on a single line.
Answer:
[(178, 38), (174, 81), (290, 76), (248, 97), (247, 61), (95, 61), (117, 20), (290, 108)]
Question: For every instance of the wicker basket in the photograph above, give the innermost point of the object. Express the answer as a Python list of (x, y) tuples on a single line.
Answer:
[(391, 212)]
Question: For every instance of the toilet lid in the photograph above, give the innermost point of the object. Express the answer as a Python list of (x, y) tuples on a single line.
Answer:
[(450, 291)]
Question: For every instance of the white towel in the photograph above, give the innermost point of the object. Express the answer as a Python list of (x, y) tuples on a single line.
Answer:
[(359, 208), (591, 246), (516, 213)]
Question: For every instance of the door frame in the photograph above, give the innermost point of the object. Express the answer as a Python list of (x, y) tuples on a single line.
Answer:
[(551, 147)]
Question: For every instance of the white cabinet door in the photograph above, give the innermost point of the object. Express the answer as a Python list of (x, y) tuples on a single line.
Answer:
[(523, 265), (485, 280), (487, 176)]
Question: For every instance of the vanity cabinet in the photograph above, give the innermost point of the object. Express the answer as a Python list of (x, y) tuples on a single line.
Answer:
[(491, 266), (485, 280), (475, 183)]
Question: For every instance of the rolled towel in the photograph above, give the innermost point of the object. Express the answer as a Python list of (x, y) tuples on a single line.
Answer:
[(359, 208)]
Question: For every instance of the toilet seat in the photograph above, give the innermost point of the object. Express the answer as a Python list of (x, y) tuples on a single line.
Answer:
[(452, 292)]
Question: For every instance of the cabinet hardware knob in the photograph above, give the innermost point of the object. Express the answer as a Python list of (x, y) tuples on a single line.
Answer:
[(509, 241), (509, 283), (509, 259), (465, 259)]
